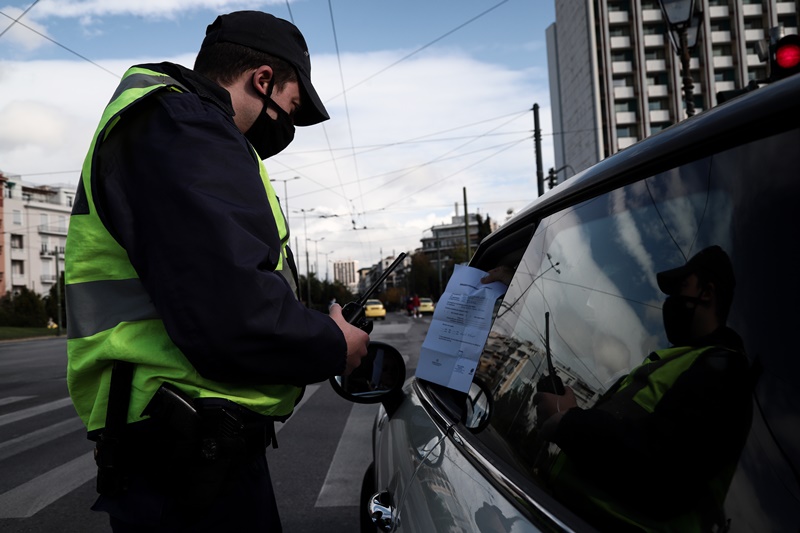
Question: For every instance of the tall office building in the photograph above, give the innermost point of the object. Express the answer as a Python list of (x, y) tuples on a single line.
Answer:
[(615, 77), (345, 273)]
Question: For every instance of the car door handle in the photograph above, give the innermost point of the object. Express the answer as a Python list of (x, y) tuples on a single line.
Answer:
[(382, 511)]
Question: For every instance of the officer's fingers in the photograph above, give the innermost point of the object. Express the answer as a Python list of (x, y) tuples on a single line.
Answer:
[(335, 310)]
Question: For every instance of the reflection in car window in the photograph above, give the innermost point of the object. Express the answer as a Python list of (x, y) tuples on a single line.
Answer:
[(593, 268)]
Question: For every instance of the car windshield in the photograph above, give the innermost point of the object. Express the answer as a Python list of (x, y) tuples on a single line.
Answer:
[(587, 284), (374, 302)]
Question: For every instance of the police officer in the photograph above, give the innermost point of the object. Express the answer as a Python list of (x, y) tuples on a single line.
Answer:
[(186, 339), (659, 448)]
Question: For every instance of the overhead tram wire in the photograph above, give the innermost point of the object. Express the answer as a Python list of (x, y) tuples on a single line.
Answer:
[(437, 182), (420, 49), (71, 51), (16, 20), (441, 157), (427, 163), (347, 113)]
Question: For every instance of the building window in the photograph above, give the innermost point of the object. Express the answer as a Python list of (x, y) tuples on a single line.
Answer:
[(17, 217), (721, 50), (654, 29), (17, 242), (627, 131), (721, 25), (625, 55), (725, 75), (18, 268), (755, 23), (625, 107), (654, 53), (657, 105)]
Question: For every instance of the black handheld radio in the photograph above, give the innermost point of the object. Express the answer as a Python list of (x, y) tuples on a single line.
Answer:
[(353, 312)]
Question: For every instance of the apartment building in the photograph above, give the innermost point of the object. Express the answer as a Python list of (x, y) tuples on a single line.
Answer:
[(441, 242), (615, 77), (35, 219)]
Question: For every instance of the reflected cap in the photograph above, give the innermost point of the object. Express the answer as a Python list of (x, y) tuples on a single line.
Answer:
[(277, 37), (711, 264)]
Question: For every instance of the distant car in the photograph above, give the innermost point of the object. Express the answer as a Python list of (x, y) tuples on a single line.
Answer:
[(426, 306), (375, 309)]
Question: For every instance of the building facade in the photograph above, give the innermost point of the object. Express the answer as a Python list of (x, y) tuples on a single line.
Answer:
[(615, 77), (346, 273), (35, 219), (440, 242)]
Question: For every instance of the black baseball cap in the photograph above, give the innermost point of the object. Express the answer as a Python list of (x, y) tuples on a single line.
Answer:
[(711, 264), (280, 38)]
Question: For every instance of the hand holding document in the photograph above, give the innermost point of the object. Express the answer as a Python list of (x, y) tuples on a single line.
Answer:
[(458, 331)]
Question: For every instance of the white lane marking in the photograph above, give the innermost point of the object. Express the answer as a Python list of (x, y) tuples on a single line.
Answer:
[(352, 457), (33, 411), (13, 399), (39, 437), (29, 498), (310, 390)]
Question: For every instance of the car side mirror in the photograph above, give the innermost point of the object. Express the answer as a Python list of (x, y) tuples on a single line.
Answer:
[(479, 404), (378, 378)]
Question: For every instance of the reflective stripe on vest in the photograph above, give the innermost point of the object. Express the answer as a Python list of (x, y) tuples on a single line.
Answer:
[(111, 316)]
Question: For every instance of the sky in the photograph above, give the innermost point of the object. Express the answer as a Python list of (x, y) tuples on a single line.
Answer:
[(428, 99)]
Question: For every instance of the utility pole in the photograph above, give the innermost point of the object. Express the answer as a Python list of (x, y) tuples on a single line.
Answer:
[(466, 222), (326, 254), (286, 194), (308, 273), (537, 145), (58, 251)]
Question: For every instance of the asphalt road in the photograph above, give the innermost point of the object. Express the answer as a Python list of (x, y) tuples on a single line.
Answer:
[(48, 475)]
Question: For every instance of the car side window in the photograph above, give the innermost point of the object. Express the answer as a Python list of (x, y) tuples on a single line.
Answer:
[(585, 293)]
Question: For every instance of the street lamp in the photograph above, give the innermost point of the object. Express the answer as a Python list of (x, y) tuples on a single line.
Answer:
[(305, 236), (680, 17), (285, 193), (326, 254), (316, 254)]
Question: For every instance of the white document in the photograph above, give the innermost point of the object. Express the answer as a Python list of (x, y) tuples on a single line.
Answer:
[(461, 322)]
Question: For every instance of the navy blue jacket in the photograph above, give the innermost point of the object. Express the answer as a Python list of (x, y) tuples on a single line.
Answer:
[(179, 188)]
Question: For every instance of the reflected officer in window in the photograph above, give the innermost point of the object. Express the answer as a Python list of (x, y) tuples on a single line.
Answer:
[(659, 448)]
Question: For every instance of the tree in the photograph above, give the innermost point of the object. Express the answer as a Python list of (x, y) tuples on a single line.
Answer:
[(51, 302), (25, 309), (424, 279)]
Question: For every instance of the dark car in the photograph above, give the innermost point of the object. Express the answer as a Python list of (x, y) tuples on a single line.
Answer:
[(585, 292)]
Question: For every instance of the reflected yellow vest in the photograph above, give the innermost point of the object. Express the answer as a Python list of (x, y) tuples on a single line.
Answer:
[(584, 496), (111, 316)]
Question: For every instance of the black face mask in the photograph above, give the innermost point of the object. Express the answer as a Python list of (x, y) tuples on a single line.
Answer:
[(269, 136), (678, 318)]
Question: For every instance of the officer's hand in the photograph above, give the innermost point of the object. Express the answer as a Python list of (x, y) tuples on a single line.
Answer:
[(502, 274), (356, 338), (548, 404)]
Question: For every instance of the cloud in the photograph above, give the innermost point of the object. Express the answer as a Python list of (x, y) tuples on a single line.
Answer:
[(90, 10), (394, 160)]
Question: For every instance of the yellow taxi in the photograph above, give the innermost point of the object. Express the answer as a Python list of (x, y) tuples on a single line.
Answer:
[(426, 306), (374, 309)]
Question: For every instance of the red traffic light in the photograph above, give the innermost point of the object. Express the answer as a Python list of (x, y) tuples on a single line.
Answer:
[(788, 55), (785, 57)]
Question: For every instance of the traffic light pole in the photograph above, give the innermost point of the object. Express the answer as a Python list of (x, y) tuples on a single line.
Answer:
[(688, 83)]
